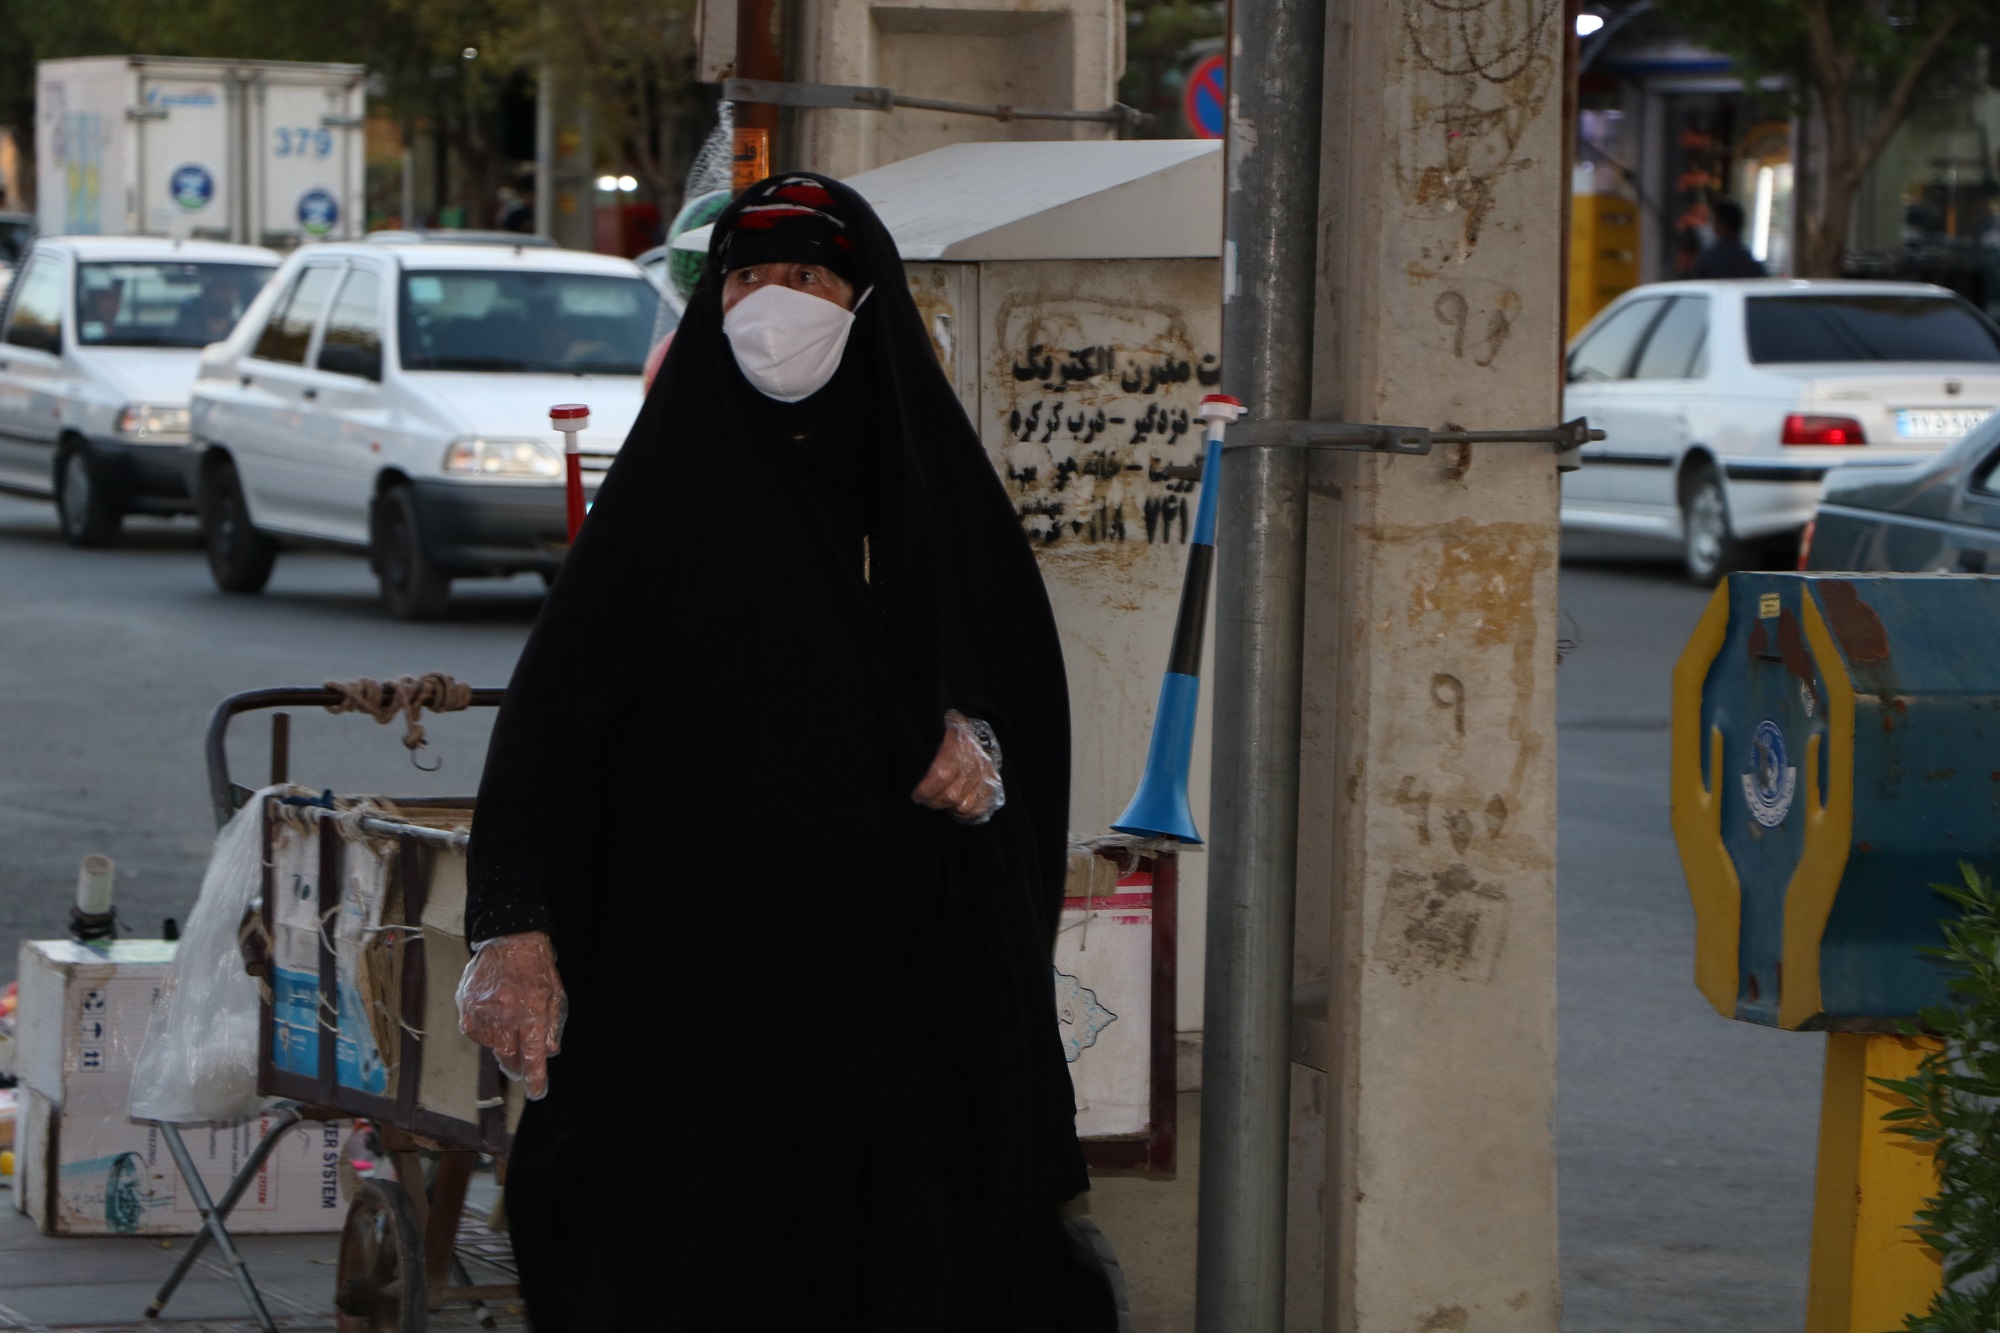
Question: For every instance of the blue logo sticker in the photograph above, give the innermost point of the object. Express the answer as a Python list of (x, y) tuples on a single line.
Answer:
[(1770, 784), (192, 187), (318, 211)]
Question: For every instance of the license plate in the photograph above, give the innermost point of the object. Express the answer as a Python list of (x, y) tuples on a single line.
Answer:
[(1939, 423)]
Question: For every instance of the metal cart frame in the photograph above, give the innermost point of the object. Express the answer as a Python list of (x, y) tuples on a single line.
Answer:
[(399, 1229), (395, 1230)]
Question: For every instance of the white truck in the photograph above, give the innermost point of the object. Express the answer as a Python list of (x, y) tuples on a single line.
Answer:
[(260, 152)]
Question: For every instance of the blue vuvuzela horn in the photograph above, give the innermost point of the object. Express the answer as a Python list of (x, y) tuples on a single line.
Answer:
[(1160, 809)]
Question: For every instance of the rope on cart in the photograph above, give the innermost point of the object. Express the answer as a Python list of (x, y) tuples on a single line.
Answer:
[(408, 695)]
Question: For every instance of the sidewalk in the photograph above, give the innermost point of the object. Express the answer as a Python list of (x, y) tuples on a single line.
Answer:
[(50, 1284)]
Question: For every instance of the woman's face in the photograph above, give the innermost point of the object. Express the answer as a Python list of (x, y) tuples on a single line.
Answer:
[(813, 279)]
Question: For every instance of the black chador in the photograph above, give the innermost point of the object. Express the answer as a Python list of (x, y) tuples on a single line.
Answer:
[(812, 1077)]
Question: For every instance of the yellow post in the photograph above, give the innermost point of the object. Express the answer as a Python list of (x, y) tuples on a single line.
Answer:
[(1868, 1269)]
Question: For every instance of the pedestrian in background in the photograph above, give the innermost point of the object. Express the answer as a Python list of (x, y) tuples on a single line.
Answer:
[(777, 804), (1726, 256)]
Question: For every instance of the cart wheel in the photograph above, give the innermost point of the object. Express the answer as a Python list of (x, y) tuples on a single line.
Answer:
[(380, 1286)]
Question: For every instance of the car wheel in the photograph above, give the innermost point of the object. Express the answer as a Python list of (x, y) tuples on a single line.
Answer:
[(1708, 548), (86, 513), (413, 588), (239, 556)]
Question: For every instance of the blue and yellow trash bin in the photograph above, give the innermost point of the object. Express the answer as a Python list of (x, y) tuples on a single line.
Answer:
[(1836, 751)]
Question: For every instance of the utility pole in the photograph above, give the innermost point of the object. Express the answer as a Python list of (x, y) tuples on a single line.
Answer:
[(1427, 847), (759, 55), (1269, 229), (545, 150)]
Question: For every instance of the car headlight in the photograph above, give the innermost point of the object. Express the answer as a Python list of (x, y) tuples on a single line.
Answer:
[(141, 420), (475, 455)]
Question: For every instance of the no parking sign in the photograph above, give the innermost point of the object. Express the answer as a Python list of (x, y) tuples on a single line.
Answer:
[(1205, 102)]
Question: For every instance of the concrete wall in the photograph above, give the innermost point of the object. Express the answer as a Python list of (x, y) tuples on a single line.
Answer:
[(1065, 54)]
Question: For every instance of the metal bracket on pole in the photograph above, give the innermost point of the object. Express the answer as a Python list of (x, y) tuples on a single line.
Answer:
[(1409, 440), (858, 97)]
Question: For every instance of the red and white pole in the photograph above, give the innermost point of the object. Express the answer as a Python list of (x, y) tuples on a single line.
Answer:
[(569, 418)]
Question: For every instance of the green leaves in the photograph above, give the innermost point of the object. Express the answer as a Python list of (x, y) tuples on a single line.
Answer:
[(1161, 41), (1955, 1108)]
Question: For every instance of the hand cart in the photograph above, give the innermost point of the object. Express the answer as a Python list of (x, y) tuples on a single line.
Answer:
[(359, 942)]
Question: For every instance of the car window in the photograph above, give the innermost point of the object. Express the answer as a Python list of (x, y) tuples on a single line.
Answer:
[(1607, 353), (291, 326), (354, 328), (36, 319), (1858, 326), (1677, 342), (523, 320), (1983, 479), (163, 304)]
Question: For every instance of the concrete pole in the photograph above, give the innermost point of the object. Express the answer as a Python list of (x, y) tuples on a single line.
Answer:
[(1427, 851), (545, 150), (1270, 209)]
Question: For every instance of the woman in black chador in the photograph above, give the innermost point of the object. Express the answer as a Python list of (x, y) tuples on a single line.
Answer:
[(779, 792)]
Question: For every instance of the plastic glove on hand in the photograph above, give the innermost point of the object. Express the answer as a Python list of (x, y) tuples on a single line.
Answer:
[(511, 1001), (964, 779)]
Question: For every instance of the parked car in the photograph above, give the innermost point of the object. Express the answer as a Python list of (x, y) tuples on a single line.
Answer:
[(458, 236), (653, 263), (98, 352), (393, 397), (1935, 514), (1726, 404)]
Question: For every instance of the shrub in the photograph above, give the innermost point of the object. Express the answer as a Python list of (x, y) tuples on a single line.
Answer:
[(1955, 1108)]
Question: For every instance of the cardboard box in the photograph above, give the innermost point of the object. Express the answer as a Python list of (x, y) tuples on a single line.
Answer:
[(84, 1167)]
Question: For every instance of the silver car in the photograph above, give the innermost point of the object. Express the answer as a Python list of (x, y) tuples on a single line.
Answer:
[(98, 351)]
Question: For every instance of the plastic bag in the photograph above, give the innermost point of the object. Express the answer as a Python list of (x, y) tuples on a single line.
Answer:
[(964, 779), (511, 1000), (199, 1062)]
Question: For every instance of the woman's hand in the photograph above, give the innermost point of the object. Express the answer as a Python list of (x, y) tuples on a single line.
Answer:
[(964, 779), (511, 1001)]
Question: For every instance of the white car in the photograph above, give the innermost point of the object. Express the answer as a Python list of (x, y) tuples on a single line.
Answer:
[(98, 351), (394, 398), (1725, 404)]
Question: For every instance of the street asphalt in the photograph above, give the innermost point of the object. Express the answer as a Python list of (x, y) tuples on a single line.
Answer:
[(1685, 1141)]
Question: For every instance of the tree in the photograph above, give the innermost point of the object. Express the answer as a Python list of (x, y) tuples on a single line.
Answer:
[(443, 64), (1835, 58), (1160, 38), (634, 59)]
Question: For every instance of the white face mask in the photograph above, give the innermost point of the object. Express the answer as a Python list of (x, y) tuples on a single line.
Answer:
[(787, 342)]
